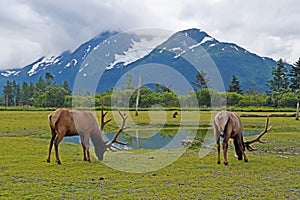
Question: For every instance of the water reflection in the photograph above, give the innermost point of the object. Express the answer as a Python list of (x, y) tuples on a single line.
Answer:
[(162, 139)]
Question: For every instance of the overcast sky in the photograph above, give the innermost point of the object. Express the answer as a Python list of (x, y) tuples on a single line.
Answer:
[(30, 29)]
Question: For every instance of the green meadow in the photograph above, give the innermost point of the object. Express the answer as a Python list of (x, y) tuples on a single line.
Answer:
[(271, 173)]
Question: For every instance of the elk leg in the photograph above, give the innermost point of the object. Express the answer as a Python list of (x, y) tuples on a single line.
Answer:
[(218, 148), (217, 137), (238, 148), (225, 147), (241, 145), (245, 157), (85, 147), (51, 145), (56, 143), (84, 154), (88, 155)]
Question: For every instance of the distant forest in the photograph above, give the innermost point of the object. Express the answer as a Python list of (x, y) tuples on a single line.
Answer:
[(284, 91)]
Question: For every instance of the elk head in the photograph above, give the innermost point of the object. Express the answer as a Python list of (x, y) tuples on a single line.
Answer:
[(100, 145)]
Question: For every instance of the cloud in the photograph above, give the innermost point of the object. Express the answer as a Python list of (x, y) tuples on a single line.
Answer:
[(31, 29)]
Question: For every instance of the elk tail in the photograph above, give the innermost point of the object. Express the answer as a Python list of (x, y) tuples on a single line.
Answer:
[(52, 124)]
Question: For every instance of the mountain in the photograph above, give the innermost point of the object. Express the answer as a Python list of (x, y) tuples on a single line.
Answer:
[(63, 67), (100, 63)]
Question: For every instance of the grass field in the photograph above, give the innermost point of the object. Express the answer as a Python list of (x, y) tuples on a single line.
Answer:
[(271, 173)]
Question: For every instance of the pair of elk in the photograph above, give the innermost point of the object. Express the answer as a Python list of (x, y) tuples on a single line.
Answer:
[(68, 122), (228, 125)]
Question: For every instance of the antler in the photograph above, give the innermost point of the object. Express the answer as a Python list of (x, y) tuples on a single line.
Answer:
[(122, 128), (257, 139), (103, 122)]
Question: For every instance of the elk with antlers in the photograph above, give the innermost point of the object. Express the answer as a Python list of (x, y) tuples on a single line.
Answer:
[(228, 125), (68, 122)]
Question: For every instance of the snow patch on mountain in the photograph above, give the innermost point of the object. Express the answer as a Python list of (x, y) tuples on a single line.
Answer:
[(138, 50), (83, 67), (96, 47), (86, 52), (72, 62), (44, 62), (234, 47), (194, 46), (207, 39), (162, 50), (186, 46), (10, 73)]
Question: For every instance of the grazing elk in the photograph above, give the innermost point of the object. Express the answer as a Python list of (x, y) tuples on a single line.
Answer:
[(68, 122), (228, 125)]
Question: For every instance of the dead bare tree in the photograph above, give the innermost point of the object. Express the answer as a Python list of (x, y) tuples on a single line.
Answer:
[(68, 122), (228, 125), (138, 96)]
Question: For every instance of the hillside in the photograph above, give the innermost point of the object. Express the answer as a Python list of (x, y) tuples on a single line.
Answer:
[(110, 55)]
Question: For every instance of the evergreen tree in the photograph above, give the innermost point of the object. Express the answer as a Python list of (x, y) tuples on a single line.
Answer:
[(41, 85), (11, 93), (32, 91), (25, 94), (157, 88), (235, 85), (280, 79), (66, 86), (162, 88), (43, 93), (295, 76), (8, 94), (201, 80), (16, 93), (49, 78)]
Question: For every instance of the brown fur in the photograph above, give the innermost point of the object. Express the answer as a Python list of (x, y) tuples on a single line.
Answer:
[(67, 122), (228, 125)]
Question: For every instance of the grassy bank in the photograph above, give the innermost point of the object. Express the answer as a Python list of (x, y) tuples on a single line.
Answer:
[(271, 173)]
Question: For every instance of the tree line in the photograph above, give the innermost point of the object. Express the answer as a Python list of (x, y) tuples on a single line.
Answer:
[(44, 93), (284, 88), (284, 92)]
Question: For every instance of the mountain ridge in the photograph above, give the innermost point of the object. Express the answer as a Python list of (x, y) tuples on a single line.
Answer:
[(119, 57)]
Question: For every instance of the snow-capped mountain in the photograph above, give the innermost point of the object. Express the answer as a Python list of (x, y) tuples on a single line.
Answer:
[(113, 51), (63, 66), (114, 54)]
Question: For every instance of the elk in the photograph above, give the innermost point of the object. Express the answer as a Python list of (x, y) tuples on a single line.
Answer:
[(68, 122), (228, 125)]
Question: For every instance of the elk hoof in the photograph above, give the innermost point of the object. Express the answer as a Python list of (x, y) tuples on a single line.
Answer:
[(225, 163), (48, 161), (219, 162), (58, 162), (246, 160)]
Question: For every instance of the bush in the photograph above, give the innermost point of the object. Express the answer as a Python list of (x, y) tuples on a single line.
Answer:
[(289, 100), (233, 98)]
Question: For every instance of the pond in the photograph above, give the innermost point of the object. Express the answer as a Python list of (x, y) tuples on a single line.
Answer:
[(161, 139)]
